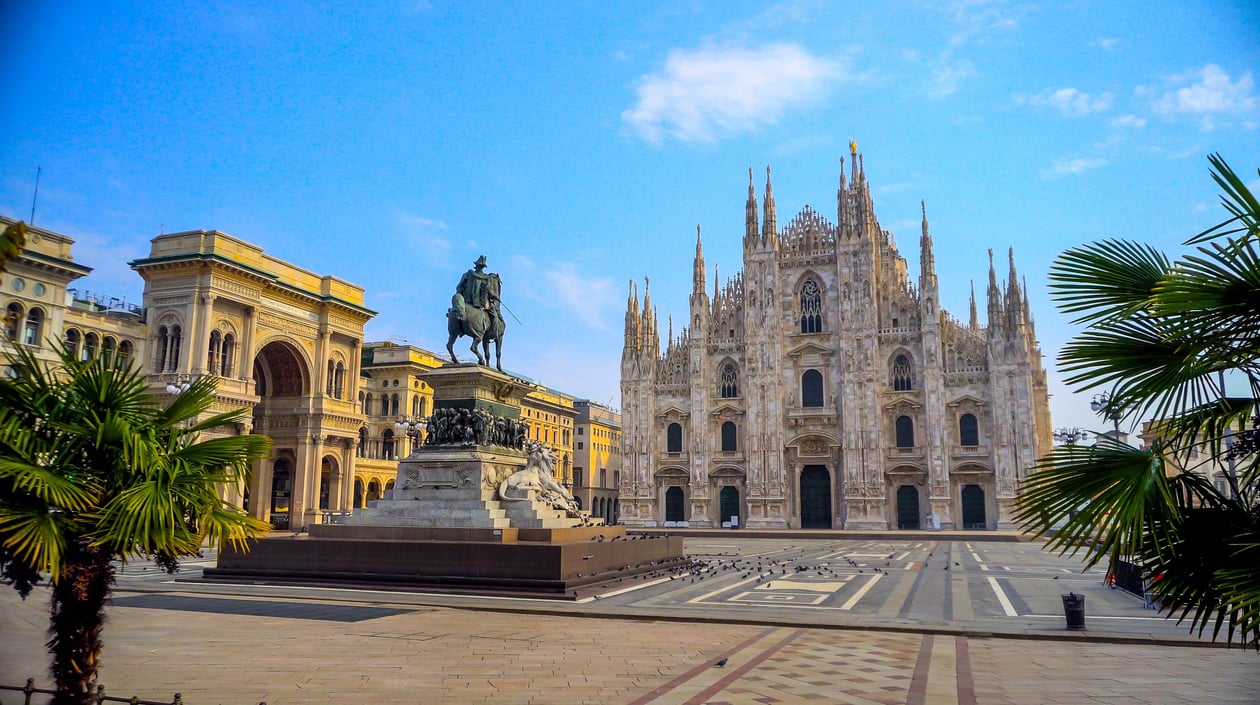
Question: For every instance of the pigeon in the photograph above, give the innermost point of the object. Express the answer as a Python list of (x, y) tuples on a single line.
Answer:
[(721, 662)]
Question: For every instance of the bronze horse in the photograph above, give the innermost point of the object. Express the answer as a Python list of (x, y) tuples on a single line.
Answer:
[(482, 325)]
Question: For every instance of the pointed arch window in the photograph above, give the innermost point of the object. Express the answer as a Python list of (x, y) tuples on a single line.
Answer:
[(328, 378), (339, 380), (812, 389), (968, 430), (393, 405), (728, 382), (811, 307), (905, 432), (673, 438), (902, 375)]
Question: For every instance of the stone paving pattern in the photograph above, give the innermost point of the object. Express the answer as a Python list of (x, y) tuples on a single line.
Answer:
[(443, 655)]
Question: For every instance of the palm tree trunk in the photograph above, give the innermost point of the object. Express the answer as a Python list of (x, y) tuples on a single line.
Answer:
[(78, 616)]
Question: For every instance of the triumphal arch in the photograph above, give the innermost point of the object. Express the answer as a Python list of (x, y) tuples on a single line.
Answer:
[(282, 341)]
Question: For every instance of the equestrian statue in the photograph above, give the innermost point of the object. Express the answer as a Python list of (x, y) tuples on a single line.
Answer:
[(474, 312)]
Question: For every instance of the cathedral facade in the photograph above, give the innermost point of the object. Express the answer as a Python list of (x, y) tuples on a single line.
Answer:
[(821, 387)]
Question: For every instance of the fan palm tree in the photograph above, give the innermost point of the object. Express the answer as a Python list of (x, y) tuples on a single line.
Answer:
[(93, 469), (1161, 337)]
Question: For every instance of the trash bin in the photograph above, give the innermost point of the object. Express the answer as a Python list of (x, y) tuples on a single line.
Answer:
[(1074, 611)]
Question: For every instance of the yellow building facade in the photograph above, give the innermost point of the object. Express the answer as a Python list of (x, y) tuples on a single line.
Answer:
[(597, 459)]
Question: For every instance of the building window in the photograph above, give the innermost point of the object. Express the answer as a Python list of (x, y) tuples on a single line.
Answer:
[(384, 405), (213, 351), (124, 350), (362, 442), (367, 403), (811, 307), (387, 445), (172, 360), (812, 389), (328, 378), (32, 332), (729, 443), (728, 382), (107, 348), (163, 340), (393, 405), (901, 374), (968, 430), (580, 445), (228, 356), (13, 321), (905, 432), (577, 477), (581, 431), (91, 343), (673, 438)]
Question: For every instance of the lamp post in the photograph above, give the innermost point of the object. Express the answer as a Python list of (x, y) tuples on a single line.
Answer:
[(178, 385), (410, 426), (1101, 405), (1070, 436)]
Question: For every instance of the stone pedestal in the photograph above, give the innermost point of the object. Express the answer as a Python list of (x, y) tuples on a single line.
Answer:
[(444, 526)]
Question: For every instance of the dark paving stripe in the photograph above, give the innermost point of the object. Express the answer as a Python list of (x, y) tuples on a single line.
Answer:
[(919, 681), (966, 681), (1012, 594), (257, 608)]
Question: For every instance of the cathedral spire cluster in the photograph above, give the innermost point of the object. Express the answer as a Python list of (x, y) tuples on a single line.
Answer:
[(824, 358)]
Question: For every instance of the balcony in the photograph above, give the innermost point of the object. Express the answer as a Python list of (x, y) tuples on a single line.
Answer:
[(970, 451), (910, 453)]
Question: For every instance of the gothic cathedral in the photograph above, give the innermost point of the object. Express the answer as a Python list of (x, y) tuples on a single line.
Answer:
[(820, 388)]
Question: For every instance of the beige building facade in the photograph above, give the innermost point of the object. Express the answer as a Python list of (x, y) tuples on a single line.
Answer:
[(823, 387)]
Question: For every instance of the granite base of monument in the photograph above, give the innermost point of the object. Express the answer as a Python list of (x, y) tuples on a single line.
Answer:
[(536, 562)]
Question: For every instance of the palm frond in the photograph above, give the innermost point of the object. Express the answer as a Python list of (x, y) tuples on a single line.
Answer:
[(1237, 199)]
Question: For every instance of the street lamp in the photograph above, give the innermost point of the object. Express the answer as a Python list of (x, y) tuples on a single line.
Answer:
[(411, 427), (1101, 405), (1070, 436)]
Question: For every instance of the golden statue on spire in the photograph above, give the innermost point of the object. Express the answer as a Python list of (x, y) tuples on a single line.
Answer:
[(853, 148)]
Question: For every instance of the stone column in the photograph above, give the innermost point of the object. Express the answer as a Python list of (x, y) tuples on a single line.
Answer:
[(199, 336), (245, 371)]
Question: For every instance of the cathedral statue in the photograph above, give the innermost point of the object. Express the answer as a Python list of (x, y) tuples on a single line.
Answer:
[(474, 312)]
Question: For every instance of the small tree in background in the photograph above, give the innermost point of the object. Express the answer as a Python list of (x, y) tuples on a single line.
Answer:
[(92, 469), (1161, 337)]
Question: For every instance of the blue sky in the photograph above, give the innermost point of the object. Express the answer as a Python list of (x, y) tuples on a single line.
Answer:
[(392, 143)]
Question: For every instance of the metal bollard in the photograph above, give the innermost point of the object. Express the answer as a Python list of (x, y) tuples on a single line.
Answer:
[(1074, 611)]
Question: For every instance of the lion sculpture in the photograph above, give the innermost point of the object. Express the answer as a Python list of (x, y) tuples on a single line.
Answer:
[(537, 478)]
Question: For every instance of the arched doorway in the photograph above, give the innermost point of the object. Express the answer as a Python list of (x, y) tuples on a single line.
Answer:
[(815, 497), (907, 507), (325, 483), (674, 505), (281, 488), (728, 503), (973, 507), (358, 493)]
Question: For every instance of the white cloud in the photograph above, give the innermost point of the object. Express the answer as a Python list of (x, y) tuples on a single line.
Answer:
[(587, 297), (979, 18), (947, 74), (1206, 93), (1065, 167), (1107, 43), (1070, 102), (715, 92), (419, 221), (1128, 121)]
